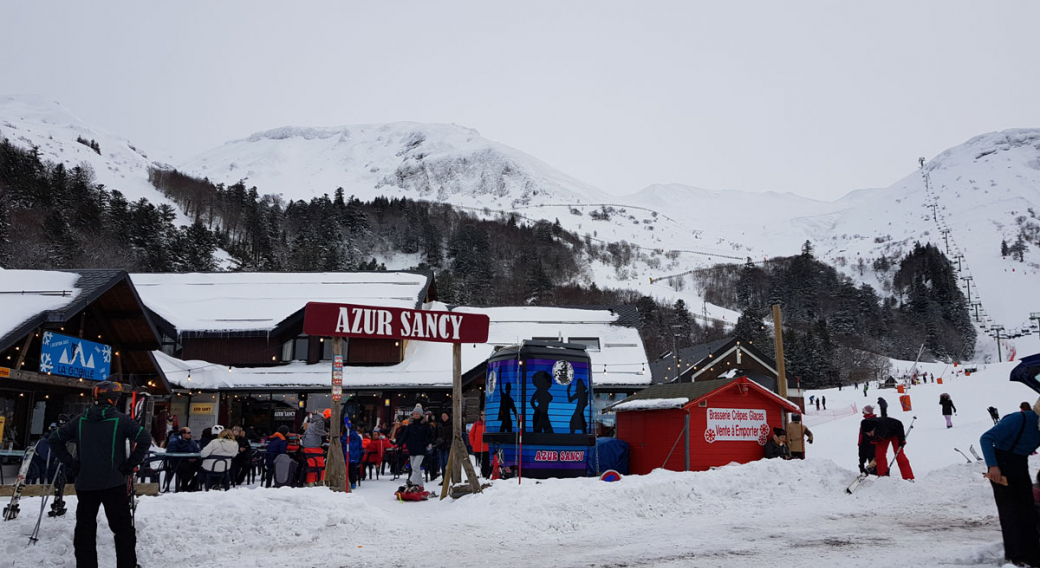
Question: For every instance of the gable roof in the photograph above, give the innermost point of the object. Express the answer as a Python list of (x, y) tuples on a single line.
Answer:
[(660, 371), (226, 303), (693, 393)]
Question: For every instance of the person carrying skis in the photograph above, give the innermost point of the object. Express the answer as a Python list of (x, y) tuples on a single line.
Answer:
[(883, 431), (1006, 448), (797, 436), (101, 472), (883, 405), (947, 408)]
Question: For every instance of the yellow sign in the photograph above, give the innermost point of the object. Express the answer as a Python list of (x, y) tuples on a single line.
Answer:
[(202, 408), (5, 373)]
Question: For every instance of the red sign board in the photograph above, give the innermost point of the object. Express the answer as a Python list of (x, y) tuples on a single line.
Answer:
[(348, 320)]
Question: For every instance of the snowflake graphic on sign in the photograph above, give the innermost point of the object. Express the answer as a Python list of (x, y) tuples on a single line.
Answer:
[(709, 435), (46, 365), (47, 337), (106, 353)]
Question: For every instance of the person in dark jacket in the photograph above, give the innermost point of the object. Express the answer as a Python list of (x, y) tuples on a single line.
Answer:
[(1006, 448), (882, 405), (867, 451), (185, 468), (947, 408), (776, 447), (101, 470), (443, 439), (884, 431), (276, 445), (415, 437)]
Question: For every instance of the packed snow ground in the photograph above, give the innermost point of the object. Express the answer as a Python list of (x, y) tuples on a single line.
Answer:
[(767, 513)]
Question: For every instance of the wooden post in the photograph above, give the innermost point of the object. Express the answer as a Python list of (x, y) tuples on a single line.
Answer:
[(25, 349), (335, 466), (458, 457), (781, 373)]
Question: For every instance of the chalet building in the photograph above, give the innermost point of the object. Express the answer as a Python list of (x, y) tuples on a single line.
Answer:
[(233, 347), (62, 332), (725, 358)]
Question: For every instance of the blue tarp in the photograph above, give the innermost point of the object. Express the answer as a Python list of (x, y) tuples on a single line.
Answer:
[(609, 453)]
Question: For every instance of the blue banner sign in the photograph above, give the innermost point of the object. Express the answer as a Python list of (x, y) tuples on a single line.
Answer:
[(74, 357)]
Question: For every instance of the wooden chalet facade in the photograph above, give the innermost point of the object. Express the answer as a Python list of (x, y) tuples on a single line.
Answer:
[(96, 307)]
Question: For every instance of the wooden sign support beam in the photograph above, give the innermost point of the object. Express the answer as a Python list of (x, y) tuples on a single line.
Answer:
[(781, 378), (336, 467), (458, 458)]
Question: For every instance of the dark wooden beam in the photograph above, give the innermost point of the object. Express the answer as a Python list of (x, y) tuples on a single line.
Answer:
[(25, 348)]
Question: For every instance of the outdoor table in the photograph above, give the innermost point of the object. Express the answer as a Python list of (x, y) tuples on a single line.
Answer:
[(166, 456)]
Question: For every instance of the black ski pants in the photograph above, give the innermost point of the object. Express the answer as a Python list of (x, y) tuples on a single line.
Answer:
[(120, 520), (1015, 507), (485, 464)]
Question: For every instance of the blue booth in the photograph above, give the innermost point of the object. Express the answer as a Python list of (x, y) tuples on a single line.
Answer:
[(538, 406)]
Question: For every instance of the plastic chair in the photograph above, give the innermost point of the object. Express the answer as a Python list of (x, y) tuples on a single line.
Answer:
[(221, 471)]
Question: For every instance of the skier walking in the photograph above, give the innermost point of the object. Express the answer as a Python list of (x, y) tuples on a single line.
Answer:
[(824, 400), (884, 431), (101, 472), (866, 385), (817, 405), (947, 408), (1006, 448), (882, 405)]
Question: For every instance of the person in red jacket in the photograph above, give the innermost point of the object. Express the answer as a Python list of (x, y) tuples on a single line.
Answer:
[(476, 441)]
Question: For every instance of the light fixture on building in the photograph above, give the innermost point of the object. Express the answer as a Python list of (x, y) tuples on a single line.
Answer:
[(189, 376), (46, 396), (229, 368), (81, 394), (301, 404), (117, 354), (604, 369), (274, 357), (99, 336), (386, 402)]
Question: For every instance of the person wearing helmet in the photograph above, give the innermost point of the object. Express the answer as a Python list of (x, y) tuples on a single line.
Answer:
[(101, 472)]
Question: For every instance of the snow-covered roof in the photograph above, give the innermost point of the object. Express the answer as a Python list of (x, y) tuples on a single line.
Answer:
[(25, 294), (651, 404), (429, 364), (259, 301)]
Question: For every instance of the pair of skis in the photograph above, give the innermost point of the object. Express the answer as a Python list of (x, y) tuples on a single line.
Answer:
[(12, 509), (971, 449), (863, 476)]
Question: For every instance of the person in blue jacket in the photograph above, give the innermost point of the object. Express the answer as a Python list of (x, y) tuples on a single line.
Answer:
[(353, 450), (1006, 448)]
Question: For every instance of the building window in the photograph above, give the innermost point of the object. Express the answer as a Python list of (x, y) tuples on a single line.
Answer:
[(590, 343), (300, 348), (326, 349), (287, 349)]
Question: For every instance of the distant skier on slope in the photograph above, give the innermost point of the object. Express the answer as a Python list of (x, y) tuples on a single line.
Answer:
[(882, 405), (101, 473), (947, 408)]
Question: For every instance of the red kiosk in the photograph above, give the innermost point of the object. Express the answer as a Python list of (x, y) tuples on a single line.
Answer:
[(696, 426)]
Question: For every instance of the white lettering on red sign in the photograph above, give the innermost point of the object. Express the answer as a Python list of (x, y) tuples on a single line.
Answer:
[(373, 321), (736, 425)]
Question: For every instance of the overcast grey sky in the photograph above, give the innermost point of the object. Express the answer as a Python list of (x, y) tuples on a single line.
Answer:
[(817, 98)]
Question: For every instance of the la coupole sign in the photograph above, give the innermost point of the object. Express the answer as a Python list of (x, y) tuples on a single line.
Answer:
[(349, 320)]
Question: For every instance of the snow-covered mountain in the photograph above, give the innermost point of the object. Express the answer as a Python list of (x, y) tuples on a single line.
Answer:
[(32, 120), (982, 192), (439, 162)]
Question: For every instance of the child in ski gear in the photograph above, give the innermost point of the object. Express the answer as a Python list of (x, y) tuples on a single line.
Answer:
[(947, 408), (882, 431), (1006, 448), (101, 473), (867, 451), (797, 436), (776, 447), (882, 405)]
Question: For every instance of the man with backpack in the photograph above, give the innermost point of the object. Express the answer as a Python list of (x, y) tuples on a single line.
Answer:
[(101, 472)]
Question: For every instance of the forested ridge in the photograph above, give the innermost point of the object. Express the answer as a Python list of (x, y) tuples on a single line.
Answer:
[(52, 216)]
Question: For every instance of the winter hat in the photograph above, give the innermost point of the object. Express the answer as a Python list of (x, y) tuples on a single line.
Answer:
[(216, 430), (779, 432), (418, 408), (868, 409)]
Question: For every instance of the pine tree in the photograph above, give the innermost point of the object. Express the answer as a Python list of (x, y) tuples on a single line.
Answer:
[(197, 247), (1004, 250)]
